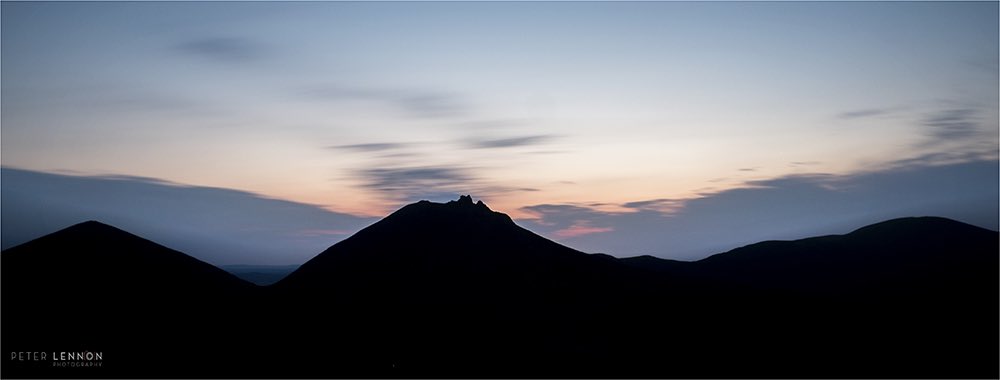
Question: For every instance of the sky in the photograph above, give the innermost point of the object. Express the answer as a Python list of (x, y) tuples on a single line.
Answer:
[(262, 132)]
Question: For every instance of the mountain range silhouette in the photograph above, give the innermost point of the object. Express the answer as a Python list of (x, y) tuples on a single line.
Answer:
[(459, 290)]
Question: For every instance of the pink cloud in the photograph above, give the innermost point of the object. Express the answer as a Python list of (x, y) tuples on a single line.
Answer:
[(579, 230)]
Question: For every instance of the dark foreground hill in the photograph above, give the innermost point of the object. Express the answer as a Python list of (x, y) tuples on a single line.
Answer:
[(94, 288), (458, 290)]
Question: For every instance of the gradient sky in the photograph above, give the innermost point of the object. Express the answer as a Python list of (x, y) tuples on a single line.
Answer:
[(586, 121)]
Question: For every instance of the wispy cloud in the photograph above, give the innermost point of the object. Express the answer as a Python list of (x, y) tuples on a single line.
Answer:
[(568, 221), (662, 205), (862, 113), (370, 147), (580, 230), (798, 164), (985, 151), (412, 171), (953, 124), (954, 132), (510, 142), (408, 183), (417, 103), (223, 49), (431, 105), (404, 177), (549, 213), (491, 124)]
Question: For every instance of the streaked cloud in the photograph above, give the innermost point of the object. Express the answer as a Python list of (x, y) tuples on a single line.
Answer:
[(397, 178), (805, 163), (370, 147), (223, 49), (511, 141), (976, 153), (956, 134), (422, 103), (549, 214), (953, 124), (568, 221), (491, 124), (410, 183), (580, 230), (431, 105), (665, 206), (863, 113)]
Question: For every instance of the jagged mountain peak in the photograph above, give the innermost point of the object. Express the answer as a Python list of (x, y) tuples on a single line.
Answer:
[(464, 200), (461, 213), (457, 239)]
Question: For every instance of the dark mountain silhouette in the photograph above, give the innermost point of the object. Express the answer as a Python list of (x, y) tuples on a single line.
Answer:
[(110, 256), (93, 287), (909, 297), (889, 259), (458, 290), (448, 289), (445, 252)]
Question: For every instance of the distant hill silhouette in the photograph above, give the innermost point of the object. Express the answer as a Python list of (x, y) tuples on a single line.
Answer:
[(892, 296), (458, 290), (892, 258)]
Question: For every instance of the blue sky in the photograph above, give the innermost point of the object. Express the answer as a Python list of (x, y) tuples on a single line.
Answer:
[(538, 108)]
